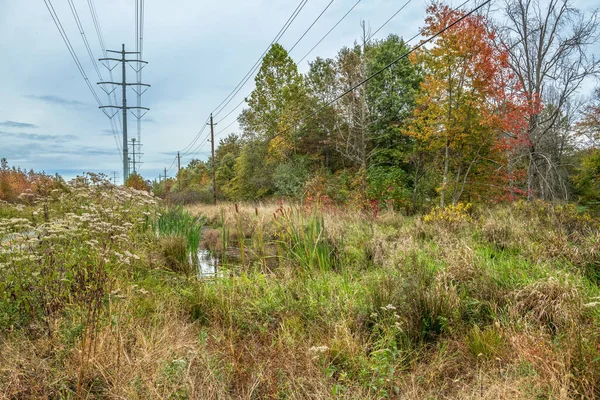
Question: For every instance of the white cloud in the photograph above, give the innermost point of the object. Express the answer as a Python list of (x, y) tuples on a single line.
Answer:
[(198, 51)]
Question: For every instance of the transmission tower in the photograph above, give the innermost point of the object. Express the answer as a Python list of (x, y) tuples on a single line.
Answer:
[(124, 108), (136, 148)]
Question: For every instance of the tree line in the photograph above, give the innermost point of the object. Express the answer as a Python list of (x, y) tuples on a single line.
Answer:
[(491, 110)]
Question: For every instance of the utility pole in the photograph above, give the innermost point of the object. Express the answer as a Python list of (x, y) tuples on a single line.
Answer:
[(115, 178), (124, 108), (178, 172), (165, 177), (212, 146)]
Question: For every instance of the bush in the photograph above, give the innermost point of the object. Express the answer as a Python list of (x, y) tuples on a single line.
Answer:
[(135, 181), (190, 196), (388, 185), (450, 216), (289, 178)]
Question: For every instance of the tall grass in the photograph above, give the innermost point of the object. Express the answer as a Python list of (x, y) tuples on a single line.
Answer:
[(178, 222), (357, 308), (305, 241)]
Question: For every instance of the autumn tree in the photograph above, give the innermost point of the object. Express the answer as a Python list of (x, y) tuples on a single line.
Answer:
[(456, 116), (550, 55), (135, 181)]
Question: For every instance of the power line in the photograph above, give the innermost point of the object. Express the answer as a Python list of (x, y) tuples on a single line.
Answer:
[(245, 79), (232, 110), (331, 30), (84, 37), (319, 42), (172, 164), (193, 142), (98, 28), (378, 72), (65, 38), (256, 65), (139, 45), (388, 21), (199, 147), (93, 60), (406, 54), (227, 127), (310, 27)]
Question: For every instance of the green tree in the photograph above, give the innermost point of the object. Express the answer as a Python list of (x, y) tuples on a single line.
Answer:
[(278, 86), (225, 157), (253, 179), (391, 100), (278, 95)]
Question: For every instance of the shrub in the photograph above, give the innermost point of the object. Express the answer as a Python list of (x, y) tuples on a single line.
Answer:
[(388, 185), (190, 196), (135, 181), (450, 216), (289, 178)]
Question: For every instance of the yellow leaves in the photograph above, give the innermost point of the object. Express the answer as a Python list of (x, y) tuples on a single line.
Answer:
[(453, 214), (279, 147)]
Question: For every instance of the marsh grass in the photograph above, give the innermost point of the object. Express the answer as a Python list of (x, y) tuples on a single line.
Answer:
[(178, 222), (304, 240), (180, 235), (356, 307)]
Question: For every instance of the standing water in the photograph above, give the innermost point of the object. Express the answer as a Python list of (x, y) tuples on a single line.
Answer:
[(207, 264)]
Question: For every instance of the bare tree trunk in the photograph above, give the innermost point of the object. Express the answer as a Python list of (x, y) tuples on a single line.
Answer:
[(549, 56)]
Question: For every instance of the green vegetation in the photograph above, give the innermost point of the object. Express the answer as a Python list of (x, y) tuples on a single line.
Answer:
[(455, 121), (426, 246), (100, 301), (179, 234)]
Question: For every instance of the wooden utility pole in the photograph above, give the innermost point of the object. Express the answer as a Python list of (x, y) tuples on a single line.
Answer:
[(165, 177), (212, 145), (178, 171)]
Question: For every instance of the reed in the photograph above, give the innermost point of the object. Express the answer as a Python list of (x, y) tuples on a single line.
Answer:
[(178, 222)]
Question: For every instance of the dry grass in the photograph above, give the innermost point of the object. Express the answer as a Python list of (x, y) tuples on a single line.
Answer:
[(410, 309)]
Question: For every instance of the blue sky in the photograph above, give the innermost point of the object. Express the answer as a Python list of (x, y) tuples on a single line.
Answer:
[(198, 52)]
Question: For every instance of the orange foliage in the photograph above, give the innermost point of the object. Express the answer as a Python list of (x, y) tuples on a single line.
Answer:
[(15, 183), (470, 103), (135, 181)]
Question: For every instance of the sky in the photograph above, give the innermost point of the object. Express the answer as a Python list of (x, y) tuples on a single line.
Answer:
[(197, 51)]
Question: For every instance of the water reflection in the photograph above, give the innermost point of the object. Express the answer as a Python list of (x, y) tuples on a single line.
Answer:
[(207, 264)]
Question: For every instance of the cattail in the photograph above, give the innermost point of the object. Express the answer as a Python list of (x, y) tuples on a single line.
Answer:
[(256, 211), (236, 209)]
